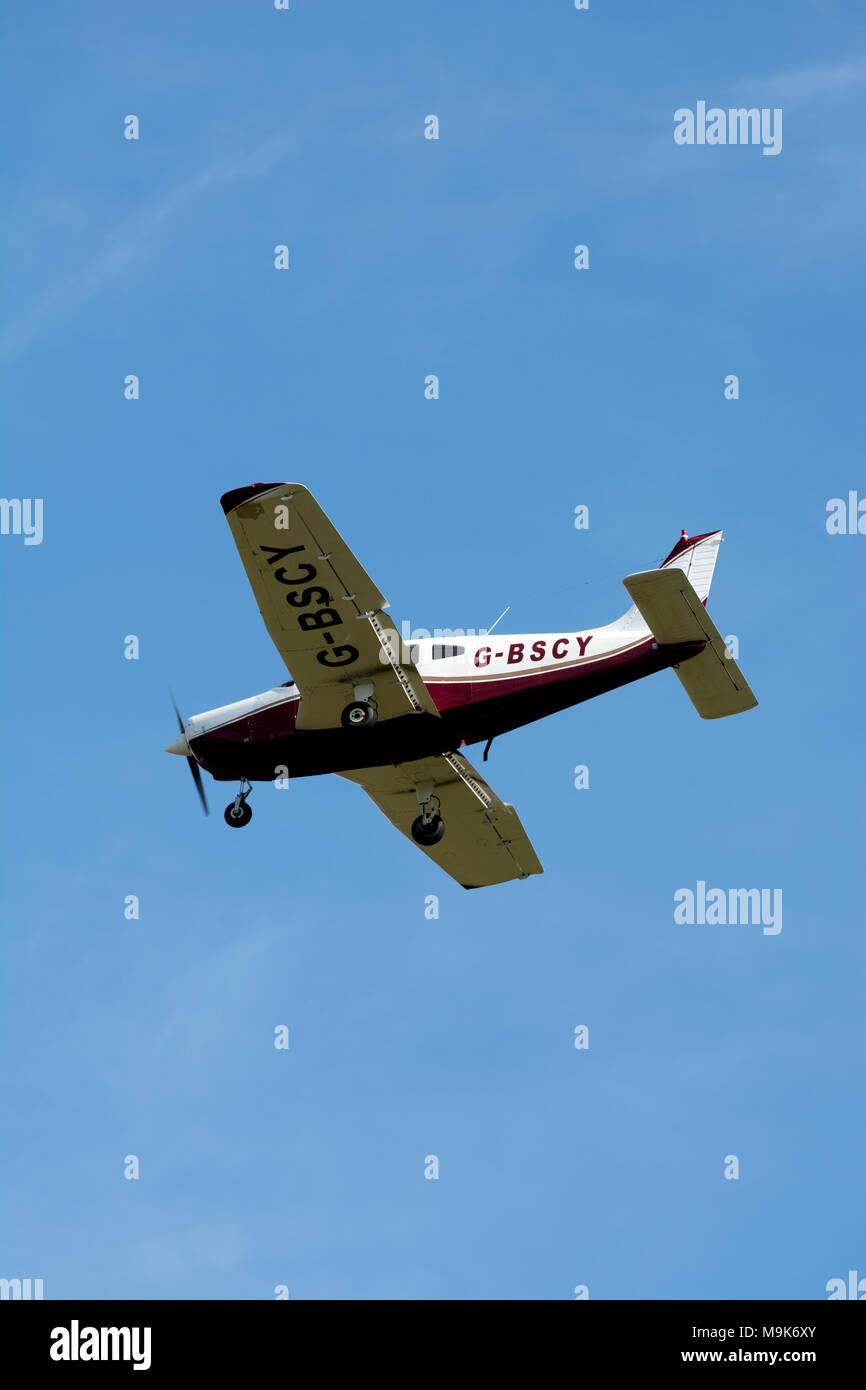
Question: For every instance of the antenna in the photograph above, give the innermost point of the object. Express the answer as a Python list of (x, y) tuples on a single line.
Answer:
[(499, 619)]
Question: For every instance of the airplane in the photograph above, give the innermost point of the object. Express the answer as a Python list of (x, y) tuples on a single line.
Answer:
[(394, 716)]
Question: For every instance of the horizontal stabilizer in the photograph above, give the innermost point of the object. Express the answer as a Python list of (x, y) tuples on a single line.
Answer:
[(673, 612)]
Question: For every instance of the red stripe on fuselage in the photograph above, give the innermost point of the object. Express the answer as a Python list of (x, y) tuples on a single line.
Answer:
[(255, 745)]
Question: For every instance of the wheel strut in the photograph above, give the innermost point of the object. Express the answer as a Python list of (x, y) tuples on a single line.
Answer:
[(429, 827), (238, 813)]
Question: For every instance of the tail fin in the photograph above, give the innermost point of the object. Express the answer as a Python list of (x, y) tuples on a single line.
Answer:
[(697, 560), (670, 600)]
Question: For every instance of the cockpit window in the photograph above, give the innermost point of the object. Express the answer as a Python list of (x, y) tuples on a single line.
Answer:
[(440, 652)]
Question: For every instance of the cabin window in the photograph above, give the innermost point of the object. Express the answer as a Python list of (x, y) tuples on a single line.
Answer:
[(440, 652)]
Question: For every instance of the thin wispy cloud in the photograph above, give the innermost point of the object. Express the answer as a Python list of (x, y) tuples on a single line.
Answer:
[(138, 237), (800, 86)]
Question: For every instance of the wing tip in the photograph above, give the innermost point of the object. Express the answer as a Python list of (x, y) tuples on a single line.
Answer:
[(238, 495)]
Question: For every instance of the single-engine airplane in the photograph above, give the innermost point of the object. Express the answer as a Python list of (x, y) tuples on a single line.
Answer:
[(393, 716)]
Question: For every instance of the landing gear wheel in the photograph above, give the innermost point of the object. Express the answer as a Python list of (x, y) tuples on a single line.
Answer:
[(428, 832), (237, 816), (358, 715)]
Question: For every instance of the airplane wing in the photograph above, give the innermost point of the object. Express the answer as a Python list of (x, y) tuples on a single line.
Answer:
[(484, 841), (322, 610)]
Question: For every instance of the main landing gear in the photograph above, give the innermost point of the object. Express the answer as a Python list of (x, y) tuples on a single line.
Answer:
[(429, 827), (361, 713), (238, 813)]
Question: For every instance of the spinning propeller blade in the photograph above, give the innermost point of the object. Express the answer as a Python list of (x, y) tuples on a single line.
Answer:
[(191, 762)]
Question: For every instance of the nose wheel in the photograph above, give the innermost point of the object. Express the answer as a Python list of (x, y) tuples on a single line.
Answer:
[(238, 813)]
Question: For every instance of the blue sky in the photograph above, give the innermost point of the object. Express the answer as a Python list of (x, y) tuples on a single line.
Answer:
[(602, 387)]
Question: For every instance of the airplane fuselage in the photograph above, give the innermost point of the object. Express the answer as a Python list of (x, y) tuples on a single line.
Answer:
[(481, 686)]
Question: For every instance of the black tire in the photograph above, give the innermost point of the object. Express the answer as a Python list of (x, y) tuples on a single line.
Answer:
[(429, 834), (242, 817), (358, 715)]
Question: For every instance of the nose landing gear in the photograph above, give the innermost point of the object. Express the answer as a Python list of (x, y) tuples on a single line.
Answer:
[(238, 813)]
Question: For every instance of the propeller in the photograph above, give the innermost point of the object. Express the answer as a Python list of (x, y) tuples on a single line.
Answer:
[(191, 762)]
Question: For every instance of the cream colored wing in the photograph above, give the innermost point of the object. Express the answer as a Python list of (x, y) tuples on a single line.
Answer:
[(484, 841), (322, 610)]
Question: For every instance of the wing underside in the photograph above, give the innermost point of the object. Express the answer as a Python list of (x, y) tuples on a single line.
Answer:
[(322, 610), (484, 841)]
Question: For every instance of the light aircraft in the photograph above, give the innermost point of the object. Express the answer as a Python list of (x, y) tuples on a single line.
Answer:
[(393, 716)]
